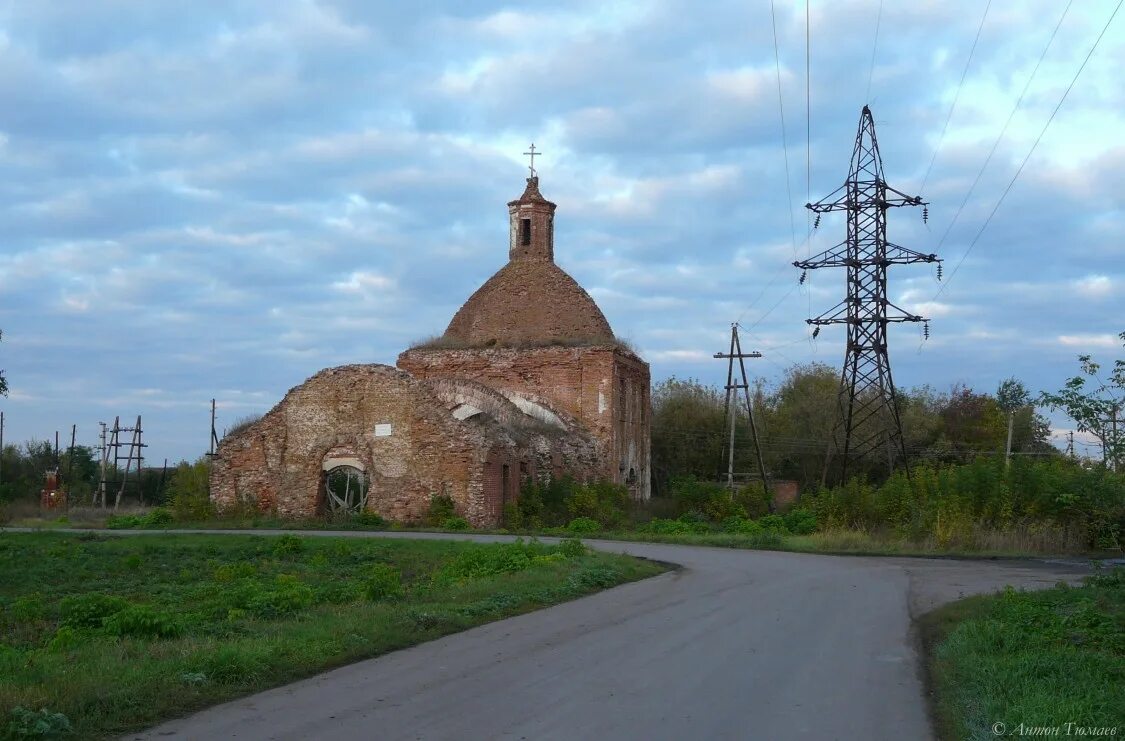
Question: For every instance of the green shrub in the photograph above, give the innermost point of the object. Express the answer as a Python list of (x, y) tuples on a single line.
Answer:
[(595, 578), (288, 596), (64, 638), (491, 559), (157, 518), (288, 545), (143, 621), (572, 547), (229, 572), (28, 608), (23, 723), (189, 491), (441, 509), (800, 522), (370, 519), (123, 522), (583, 525), (512, 517), (455, 523), (742, 525), (89, 610), (773, 523), (603, 502), (382, 582), (713, 502)]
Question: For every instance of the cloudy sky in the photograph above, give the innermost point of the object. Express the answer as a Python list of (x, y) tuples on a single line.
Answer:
[(218, 199)]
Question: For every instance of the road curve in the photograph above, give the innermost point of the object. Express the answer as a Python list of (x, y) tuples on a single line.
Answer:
[(733, 645)]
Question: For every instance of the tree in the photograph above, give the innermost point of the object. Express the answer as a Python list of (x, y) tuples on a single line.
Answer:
[(1011, 396), (688, 434), (1096, 405), (798, 421)]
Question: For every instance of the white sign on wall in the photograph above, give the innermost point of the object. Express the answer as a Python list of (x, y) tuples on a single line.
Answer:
[(384, 430)]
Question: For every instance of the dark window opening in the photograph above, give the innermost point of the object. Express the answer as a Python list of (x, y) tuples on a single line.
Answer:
[(505, 478), (525, 231)]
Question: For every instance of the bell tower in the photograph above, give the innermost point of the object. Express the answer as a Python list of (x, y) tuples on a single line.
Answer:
[(531, 222)]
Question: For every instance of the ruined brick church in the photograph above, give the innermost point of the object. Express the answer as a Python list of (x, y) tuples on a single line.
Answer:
[(527, 381)]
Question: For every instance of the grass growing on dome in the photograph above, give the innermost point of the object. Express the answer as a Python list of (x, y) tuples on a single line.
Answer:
[(446, 342)]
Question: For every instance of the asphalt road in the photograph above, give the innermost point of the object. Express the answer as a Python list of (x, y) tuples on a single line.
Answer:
[(733, 645)]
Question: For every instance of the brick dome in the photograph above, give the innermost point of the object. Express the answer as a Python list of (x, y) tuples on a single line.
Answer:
[(531, 300)]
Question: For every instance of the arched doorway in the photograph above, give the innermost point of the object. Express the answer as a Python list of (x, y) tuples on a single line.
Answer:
[(345, 488)]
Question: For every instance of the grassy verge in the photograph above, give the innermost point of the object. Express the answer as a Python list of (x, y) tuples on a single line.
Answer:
[(116, 634), (837, 541), (1017, 663)]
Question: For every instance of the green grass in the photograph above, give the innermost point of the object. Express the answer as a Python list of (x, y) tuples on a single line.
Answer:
[(118, 633), (1040, 659), (980, 543)]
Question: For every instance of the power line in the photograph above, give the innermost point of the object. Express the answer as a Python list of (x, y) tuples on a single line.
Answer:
[(956, 96), (1004, 130), (784, 139), (874, 46), (1031, 151)]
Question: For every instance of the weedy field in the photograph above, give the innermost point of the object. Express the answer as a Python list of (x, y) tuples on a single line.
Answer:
[(100, 635), (1027, 663)]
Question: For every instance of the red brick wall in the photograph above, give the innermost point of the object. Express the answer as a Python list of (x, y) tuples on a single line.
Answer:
[(582, 381)]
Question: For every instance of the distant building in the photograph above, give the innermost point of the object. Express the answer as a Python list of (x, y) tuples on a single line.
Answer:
[(527, 381)]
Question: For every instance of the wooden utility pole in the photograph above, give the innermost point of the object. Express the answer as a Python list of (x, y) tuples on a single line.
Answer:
[(736, 353), (103, 453), (1, 446), (70, 469)]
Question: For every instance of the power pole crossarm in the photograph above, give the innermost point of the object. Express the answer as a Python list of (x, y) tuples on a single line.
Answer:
[(732, 389), (867, 415)]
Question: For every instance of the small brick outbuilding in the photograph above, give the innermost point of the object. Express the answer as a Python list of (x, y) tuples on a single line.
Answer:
[(527, 381)]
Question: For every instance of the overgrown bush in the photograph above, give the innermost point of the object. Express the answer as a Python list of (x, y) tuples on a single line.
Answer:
[(455, 523), (441, 509), (490, 559), (189, 491), (574, 548), (800, 521), (288, 596), (288, 545), (90, 610), (43, 723), (143, 621), (383, 581), (367, 518), (946, 503), (583, 525)]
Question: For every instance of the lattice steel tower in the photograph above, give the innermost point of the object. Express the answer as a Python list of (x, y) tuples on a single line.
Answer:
[(867, 416)]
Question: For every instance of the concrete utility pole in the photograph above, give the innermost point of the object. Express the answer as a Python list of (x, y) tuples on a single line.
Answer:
[(1, 446)]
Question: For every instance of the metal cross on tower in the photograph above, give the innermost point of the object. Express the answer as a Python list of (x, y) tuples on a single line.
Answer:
[(533, 154), (867, 414)]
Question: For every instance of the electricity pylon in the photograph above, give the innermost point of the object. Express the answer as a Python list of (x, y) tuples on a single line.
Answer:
[(867, 418)]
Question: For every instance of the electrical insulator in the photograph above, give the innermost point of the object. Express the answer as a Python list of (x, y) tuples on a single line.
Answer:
[(925, 214), (939, 272), (926, 331), (804, 274), (815, 332), (816, 222)]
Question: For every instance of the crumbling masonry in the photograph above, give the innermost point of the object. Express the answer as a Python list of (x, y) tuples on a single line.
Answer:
[(528, 381)]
